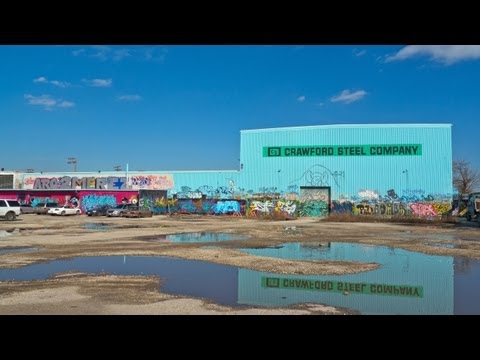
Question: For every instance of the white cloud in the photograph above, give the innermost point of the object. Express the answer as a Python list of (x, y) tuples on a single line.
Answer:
[(42, 100), (446, 54), (348, 97), (47, 101), (44, 80), (301, 98), (121, 54), (40, 79), (156, 54), (105, 53), (98, 82), (100, 52), (66, 104), (62, 84), (130, 98), (358, 52), (78, 52), (320, 104)]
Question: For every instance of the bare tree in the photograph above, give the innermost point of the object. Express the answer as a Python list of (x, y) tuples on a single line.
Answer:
[(465, 178)]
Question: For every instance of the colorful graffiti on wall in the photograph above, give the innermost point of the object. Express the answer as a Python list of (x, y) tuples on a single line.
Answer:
[(151, 182), (410, 203), (91, 199), (134, 182)]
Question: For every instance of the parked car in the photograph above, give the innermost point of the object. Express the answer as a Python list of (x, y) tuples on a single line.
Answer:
[(65, 210), (473, 207), (9, 209), (119, 209), (42, 208), (99, 210), (137, 212), (26, 209)]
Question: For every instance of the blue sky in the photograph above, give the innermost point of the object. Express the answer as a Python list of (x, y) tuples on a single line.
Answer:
[(182, 107)]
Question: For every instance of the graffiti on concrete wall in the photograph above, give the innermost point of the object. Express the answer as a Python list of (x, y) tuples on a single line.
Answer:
[(207, 206), (410, 203), (314, 201), (67, 182), (135, 182), (34, 201), (153, 199), (151, 182), (313, 208), (91, 201), (227, 207), (204, 191)]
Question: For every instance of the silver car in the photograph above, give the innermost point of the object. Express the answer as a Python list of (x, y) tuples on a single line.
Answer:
[(119, 209)]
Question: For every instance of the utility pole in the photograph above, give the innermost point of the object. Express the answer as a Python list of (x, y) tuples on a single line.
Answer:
[(72, 160)]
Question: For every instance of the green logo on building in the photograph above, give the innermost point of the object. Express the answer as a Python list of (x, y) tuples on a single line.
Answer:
[(343, 150)]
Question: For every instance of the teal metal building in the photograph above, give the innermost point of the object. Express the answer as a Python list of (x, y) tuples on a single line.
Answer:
[(381, 169)]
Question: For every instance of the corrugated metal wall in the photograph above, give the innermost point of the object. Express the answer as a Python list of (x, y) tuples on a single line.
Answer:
[(364, 184), (429, 173)]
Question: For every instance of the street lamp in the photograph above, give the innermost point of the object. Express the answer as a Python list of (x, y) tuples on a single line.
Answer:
[(72, 160), (117, 168)]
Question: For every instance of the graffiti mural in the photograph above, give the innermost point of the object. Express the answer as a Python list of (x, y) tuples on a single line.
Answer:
[(319, 175), (152, 182), (153, 199), (314, 201), (341, 207), (227, 207), (313, 208), (135, 182), (91, 201), (411, 203), (34, 201)]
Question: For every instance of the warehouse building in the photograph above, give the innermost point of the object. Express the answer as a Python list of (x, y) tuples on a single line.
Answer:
[(381, 169)]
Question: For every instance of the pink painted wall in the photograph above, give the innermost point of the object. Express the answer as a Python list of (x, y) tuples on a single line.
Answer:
[(82, 198)]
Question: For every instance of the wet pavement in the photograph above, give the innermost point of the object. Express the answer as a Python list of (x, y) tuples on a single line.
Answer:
[(17, 250), (97, 227), (197, 237), (406, 283)]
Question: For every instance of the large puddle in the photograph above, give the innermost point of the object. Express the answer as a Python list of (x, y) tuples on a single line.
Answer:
[(406, 283), (182, 277), (197, 237)]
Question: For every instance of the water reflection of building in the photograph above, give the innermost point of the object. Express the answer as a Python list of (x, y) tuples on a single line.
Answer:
[(467, 291), (406, 283)]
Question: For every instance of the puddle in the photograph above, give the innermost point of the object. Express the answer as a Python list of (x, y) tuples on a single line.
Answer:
[(17, 250), (182, 277), (443, 245), (198, 237), (406, 283), (97, 226)]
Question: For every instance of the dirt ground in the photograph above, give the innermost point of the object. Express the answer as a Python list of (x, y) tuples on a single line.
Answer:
[(66, 237)]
